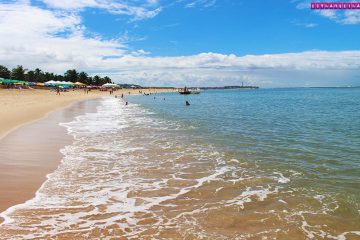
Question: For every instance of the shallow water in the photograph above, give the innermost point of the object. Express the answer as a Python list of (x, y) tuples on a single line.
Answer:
[(248, 164)]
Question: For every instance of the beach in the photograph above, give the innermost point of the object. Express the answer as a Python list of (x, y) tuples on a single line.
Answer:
[(31, 137), (158, 169), (179, 120), (22, 106)]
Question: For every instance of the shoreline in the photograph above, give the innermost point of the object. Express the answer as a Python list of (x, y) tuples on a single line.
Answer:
[(32, 151), (21, 107), (31, 147), (142, 171)]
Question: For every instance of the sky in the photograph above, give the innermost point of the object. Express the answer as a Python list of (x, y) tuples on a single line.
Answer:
[(279, 43)]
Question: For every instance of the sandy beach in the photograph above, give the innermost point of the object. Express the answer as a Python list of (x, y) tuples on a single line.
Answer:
[(158, 169), (22, 106), (31, 137)]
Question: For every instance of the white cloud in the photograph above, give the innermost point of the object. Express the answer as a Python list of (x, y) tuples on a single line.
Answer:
[(202, 3), (346, 17), (148, 8), (55, 41), (310, 25), (331, 14), (70, 4), (32, 36), (351, 17), (306, 25), (291, 61)]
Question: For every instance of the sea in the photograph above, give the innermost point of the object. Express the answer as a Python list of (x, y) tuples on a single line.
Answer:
[(235, 164)]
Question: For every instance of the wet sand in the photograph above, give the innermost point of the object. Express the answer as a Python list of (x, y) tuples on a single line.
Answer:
[(29, 153), (30, 136), (19, 107), (131, 175)]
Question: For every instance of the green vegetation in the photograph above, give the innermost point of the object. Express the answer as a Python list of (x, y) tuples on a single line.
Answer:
[(37, 75)]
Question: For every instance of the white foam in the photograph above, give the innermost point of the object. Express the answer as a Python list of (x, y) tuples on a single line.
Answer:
[(319, 197), (233, 160), (247, 196), (281, 178), (125, 163), (101, 170), (343, 235)]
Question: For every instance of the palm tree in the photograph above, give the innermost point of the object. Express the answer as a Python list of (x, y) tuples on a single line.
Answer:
[(4, 72), (96, 80), (71, 75), (107, 79), (30, 76), (83, 77), (18, 73)]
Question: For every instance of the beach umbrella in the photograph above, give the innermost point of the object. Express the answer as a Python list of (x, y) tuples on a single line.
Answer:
[(63, 83), (110, 85), (50, 83), (7, 81), (18, 82), (79, 84)]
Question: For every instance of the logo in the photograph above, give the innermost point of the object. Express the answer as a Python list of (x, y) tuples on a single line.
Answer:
[(335, 5)]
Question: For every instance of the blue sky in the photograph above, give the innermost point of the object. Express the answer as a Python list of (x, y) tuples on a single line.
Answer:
[(197, 42), (238, 27)]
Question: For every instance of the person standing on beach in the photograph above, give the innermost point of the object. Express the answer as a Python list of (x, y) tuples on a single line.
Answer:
[(57, 91)]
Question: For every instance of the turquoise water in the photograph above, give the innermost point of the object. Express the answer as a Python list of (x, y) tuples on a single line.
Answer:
[(309, 135), (314, 131), (236, 164)]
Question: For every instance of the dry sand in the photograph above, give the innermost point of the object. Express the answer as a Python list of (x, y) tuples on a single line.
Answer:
[(30, 151), (22, 106)]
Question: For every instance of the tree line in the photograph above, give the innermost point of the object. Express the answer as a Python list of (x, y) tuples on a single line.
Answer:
[(37, 75)]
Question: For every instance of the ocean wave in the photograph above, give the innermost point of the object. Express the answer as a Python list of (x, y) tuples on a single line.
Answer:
[(131, 174)]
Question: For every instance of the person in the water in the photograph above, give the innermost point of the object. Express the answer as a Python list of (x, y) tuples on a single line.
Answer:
[(187, 103)]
